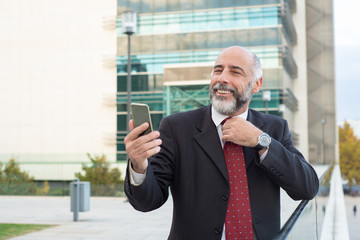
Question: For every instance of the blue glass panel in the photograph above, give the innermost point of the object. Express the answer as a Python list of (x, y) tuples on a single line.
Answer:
[(148, 6), (121, 122), (206, 20), (153, 63)]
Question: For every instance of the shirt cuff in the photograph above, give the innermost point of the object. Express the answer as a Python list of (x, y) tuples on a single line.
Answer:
[(136, 179), (263, 156)]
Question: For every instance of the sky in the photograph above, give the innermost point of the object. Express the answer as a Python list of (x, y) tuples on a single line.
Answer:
[(347, 60)]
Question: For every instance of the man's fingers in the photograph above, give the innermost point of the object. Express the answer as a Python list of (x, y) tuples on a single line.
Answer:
[(241, 132), (152, 145), (140, 129), (131, 125), (147, 150), (146, 141), (140, 162), (135, 131), (138, 153)]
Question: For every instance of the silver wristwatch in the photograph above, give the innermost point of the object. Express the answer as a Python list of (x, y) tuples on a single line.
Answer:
[(264, 141)]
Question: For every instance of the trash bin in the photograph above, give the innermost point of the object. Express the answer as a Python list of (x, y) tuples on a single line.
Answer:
[(84, 196)]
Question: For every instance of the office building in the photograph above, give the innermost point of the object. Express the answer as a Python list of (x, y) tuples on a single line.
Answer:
[(178, 41), (64, 72)]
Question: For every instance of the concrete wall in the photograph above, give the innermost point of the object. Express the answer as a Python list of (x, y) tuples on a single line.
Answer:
[(300, 83), (323, 147)]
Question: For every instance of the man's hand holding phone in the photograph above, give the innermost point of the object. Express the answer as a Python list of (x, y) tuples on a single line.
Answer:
[(140, 146)]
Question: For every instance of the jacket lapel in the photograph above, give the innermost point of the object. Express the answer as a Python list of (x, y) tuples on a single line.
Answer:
[(209, 141)]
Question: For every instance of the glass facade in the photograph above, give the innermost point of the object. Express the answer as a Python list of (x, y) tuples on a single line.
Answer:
[(189, 34), (207, 20)]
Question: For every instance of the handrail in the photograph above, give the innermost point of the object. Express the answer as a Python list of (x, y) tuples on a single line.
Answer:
[(285, 230), (290, 223)]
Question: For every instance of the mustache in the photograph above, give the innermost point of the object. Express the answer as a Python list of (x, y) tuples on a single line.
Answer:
[(220, 86)]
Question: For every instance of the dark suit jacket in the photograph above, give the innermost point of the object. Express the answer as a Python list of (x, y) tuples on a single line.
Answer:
[(191, 162)]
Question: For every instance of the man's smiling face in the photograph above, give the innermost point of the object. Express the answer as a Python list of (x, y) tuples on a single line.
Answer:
[(232, 85)]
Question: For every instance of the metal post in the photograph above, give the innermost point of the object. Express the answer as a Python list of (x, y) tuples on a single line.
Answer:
[(266, 106), (77, 199), (128, 82), (266, 97), (323, 122), (128, 26)]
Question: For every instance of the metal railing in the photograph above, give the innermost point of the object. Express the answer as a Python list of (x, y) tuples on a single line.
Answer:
[(308, 226)]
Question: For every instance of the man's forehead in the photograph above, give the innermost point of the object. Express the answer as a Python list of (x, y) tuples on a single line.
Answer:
[(233, 61)]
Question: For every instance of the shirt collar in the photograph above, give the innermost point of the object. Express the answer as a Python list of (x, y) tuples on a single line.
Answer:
[(218, 117)]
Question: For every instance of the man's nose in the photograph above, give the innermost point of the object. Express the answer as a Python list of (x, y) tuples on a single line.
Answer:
[(223, 78)]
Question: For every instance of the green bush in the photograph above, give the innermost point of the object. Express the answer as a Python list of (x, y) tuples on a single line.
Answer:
[(59, 192), (13, 181), (104, 181)]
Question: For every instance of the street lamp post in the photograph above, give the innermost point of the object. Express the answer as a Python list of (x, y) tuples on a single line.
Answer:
[(128, 22), (323, 122)]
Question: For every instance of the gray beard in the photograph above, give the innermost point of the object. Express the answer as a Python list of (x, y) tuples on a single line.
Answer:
[(235, 104)]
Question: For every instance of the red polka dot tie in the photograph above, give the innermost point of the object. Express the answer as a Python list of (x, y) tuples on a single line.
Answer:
[(238, 223)]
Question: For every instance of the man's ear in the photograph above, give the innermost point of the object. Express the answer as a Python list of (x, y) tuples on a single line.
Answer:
[(257, 85)]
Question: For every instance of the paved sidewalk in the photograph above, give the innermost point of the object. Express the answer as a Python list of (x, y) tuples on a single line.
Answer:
[(108, 218), (353, 220)]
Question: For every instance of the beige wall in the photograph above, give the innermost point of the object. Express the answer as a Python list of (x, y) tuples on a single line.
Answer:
[(321, 81), (300, 83), (315, 85), (58, 83)]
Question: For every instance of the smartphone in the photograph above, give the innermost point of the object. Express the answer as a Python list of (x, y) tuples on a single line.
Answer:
[(140, 113)]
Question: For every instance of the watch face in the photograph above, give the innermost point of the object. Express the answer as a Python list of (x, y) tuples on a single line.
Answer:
[(265, 140)]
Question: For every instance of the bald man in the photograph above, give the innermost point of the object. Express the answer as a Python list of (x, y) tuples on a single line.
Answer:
[(190, 154)]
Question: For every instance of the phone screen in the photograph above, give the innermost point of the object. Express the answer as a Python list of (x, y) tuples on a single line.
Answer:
[(140, 114)]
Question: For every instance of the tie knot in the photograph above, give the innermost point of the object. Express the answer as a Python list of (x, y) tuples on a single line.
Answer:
[(223, 121)]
